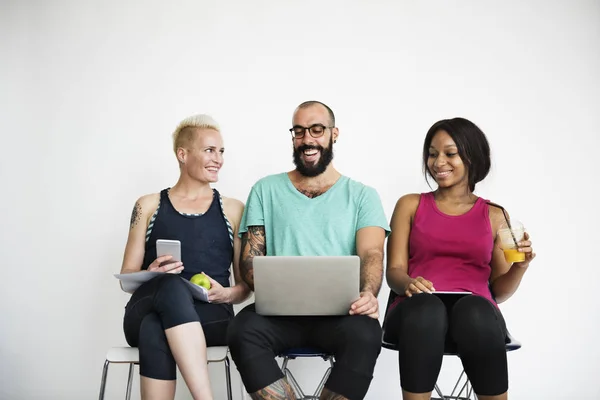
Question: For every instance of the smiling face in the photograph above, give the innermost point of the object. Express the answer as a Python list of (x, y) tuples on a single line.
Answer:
[(312, 154), (444, 163), (202, 158), (456, 152)]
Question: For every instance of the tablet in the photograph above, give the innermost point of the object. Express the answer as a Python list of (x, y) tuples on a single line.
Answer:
[(450, 298), (453, 293)]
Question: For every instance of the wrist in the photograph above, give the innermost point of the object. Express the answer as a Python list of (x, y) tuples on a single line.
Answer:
[(368, 289), (229, 295), (520, 267)]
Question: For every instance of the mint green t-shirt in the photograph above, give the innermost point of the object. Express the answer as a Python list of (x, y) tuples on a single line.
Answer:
[(326, 225)]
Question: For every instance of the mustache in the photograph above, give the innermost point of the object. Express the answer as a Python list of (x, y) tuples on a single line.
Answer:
[(309, 147)]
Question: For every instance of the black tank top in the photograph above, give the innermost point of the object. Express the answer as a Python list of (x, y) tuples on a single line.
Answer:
[(206, 239)]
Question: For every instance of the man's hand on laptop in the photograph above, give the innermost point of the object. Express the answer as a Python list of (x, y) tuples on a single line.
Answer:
[(366, 305)]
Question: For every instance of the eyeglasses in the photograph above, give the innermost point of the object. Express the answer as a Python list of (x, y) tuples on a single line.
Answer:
[(316, 131)]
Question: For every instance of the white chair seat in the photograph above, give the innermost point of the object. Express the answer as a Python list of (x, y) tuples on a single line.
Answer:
[(216, 353), (123, 355), (130, 355)]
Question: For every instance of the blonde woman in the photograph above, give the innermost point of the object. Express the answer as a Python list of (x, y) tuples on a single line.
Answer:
[(162, 319)]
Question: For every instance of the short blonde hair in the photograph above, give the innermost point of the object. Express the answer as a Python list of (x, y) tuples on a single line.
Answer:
[(184, 133)]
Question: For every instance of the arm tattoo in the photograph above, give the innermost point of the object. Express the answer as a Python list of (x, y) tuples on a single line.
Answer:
[(253, 244), (135, 215), (371, 272), (257, 241), (245, 264), (329, 395), (279, 390)]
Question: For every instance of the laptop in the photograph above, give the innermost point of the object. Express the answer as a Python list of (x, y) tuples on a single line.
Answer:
[(305, 285)]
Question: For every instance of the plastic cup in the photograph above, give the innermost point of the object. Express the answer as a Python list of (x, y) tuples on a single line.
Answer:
[(508, 236)]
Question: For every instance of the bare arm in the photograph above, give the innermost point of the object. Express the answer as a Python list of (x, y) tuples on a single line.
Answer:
[(369, 247), (505, 278), (134, 249), (397, 245), (253, 244), (240, 291)]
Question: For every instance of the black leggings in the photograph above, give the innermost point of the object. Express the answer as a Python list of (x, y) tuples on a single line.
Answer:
[(424, 327), (160, 304)]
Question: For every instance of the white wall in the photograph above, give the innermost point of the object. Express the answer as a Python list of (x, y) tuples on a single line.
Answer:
[(90, 92)]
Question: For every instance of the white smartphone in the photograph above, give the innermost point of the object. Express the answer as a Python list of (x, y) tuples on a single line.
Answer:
[(168, 247)]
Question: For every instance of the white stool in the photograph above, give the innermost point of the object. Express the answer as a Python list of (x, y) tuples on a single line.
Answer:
[(131, 356)]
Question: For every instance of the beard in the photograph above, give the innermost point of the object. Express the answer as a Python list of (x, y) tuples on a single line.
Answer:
[(320, 166)]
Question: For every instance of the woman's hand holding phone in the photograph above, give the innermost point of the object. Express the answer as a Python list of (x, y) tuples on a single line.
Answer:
[(162, 264)]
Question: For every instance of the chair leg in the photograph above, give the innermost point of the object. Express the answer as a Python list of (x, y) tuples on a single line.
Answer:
[(461, 391), (294, 383), (470, 391), (243, 392), (439, 392), (325, 377), (456, 385), (299, 393), (291, 380), (103, 380), (284, 364), (129, 382), (464, 388), (228, 377)]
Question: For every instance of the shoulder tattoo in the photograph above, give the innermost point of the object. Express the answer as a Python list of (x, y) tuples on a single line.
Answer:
[(136, 215)]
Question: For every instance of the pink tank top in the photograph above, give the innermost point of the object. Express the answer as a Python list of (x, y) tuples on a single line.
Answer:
[(453, 252)]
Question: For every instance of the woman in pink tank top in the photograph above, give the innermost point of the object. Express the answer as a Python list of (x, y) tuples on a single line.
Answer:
[(445, 241)]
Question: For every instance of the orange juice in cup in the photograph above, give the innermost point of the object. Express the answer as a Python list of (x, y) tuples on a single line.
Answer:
[(513, 255), (510, 235)]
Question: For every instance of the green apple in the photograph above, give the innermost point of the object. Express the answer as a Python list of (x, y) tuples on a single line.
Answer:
[(201, 280)]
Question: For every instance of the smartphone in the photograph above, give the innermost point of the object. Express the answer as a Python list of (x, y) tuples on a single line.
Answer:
[(168, 247)]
